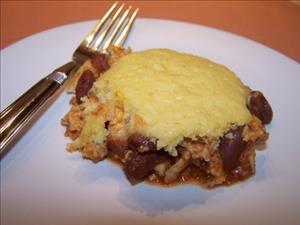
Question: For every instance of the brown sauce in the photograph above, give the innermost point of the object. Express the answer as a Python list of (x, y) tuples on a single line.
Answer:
[(200, 179), (192, 175)]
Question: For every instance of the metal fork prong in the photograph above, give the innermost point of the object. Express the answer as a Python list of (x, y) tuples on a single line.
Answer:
[(21, 112), (93, 33), (117, 28), (106, 29), (121, 39)]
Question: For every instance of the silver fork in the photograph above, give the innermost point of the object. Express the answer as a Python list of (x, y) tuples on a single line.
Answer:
[(114, 30)]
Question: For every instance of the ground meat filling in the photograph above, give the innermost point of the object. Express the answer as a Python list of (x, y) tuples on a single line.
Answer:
[(229, 160), (198, 161), (209, 163)]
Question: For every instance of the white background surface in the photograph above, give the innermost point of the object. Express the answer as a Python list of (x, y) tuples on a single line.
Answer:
[(41, 183)]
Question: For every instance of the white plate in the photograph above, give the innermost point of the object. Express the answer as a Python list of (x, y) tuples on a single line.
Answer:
[(41, 183)]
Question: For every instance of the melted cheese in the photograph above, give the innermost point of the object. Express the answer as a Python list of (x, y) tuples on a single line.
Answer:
[(176, 95)]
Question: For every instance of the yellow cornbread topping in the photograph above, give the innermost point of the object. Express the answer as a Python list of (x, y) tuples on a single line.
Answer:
[(176, 95)]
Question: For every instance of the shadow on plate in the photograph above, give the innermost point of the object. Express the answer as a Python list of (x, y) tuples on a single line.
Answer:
[(156, 200)]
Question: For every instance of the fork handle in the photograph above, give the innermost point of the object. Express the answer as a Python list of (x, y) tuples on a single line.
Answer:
[(21, 111)]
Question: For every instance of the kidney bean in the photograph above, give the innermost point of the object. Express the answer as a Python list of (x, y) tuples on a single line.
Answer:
[(140, 165), (260, 107), (140, 143), (117, 147), (84, 84), (231, 148), (106, 124), (100, 62)]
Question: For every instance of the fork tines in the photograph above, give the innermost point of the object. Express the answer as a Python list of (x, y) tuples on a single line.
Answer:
[(112, 28)]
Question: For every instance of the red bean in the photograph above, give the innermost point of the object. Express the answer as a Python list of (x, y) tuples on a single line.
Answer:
[(84, 84), (231, 147), (139, 166), (100, 62), (140, 143), (260, 107), (117, 147)]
